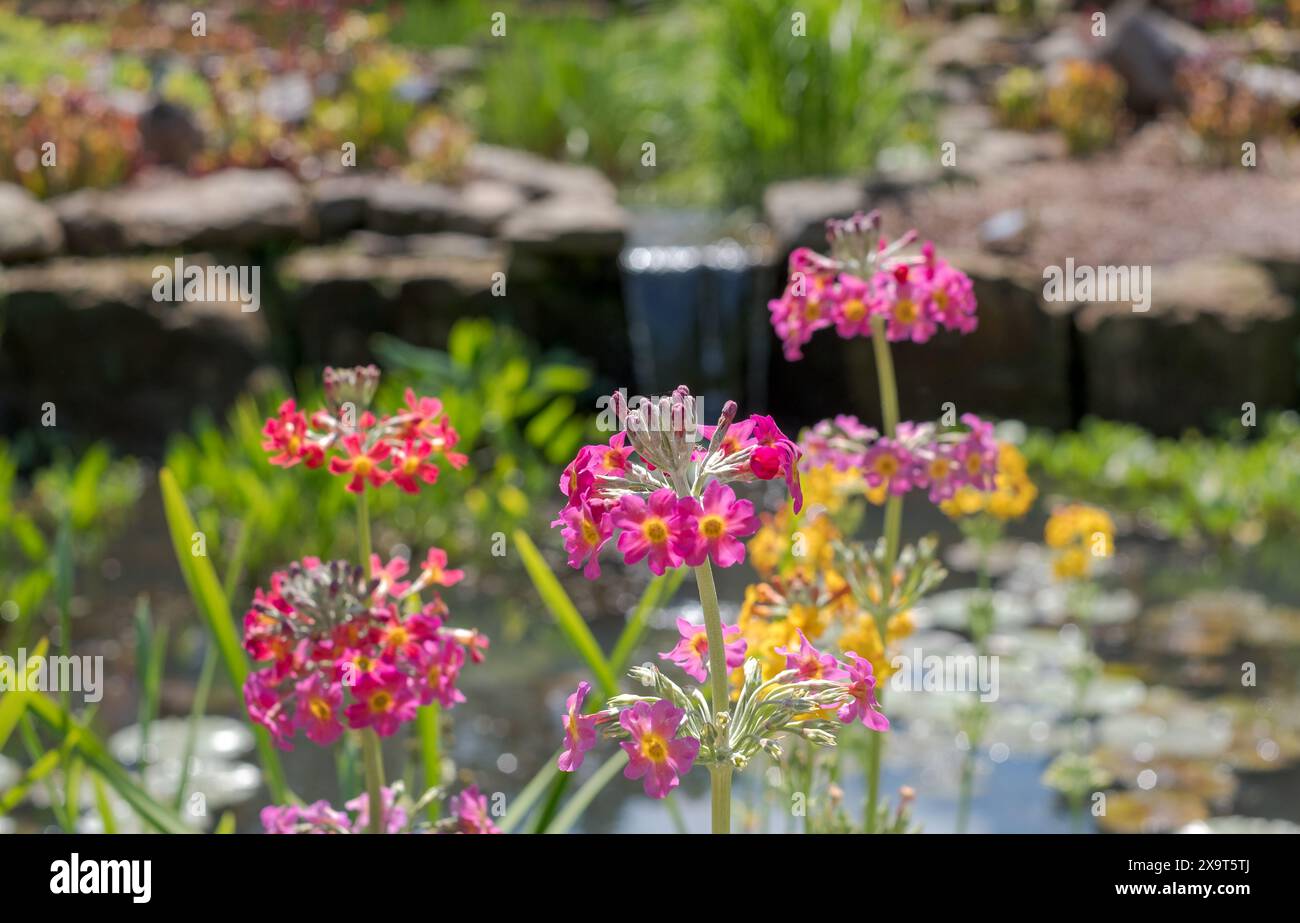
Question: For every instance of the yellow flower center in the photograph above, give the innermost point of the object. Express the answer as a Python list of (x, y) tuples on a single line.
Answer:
[(654, 748), (320, 709), (655, 530), (854, 309), (411, 464), (939, 469), (381, 701), (362, 465), (590, 535), (887, 465), (712, 526), (905, 311)]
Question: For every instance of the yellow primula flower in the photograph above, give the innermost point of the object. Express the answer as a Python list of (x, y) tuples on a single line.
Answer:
[(1079, 533)]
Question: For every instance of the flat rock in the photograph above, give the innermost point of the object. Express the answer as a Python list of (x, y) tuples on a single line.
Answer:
[(396, 206), (414, 286), (88, 335), (567, 225), (29, 230), (535, 175), (797, 210), (229, 210)]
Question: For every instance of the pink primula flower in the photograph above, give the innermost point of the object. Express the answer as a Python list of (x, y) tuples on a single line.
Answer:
[(864, 706), (579, 730), (652, 530), (655, 753), (812, 663), (718, 522), (692, 650)]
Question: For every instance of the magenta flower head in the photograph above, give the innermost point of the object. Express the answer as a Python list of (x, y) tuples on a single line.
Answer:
[(653, 529), (655, 753), (810, 663), (718, 522), (920, 456), (369, 450), (471, 814), (867, 277), (333, 648), (692, 650), (659, 487), (863, 705), (579, 730)]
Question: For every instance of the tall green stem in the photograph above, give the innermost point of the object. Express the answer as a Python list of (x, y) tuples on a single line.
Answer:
[(373, 759), (363, 530), (720, 773), (893, 528), (372, 755)]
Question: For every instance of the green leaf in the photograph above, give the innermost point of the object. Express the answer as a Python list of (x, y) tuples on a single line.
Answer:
[(566, 613), (214, 608), (584, 796), (534, 790), (99, 759), (427, 725), (101, 804), (656, 595), (14, 702)]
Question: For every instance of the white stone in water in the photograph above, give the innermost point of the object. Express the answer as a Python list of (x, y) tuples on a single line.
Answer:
[(9, 772), (217, 738), (222, 784)]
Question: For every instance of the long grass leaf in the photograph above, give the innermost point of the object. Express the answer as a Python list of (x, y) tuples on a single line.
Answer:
[(214, 608), (583, 797), (566, 613), (96, 755), (14, 702)]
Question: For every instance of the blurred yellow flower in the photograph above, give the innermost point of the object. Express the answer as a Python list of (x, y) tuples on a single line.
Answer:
[(1013, 494), (1079, 533)]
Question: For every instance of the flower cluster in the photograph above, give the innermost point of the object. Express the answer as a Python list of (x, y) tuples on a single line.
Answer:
[(469, 814), (665, 734), (661, 484), (865, 283), (1079, 533), (920, 456), (398, 448), (339, 648), (1012, 495)]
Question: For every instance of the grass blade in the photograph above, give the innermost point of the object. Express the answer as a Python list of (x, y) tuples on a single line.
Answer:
[(534, 790), (566, 613), (590, 789), (14, 702), (656, 595), (214, 608), (98, 758)]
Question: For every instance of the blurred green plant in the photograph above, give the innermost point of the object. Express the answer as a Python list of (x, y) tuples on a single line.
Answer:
[(733, 94), (1233, 492), (88, 498), (1019, 97), (1086, 104), (514, 410)]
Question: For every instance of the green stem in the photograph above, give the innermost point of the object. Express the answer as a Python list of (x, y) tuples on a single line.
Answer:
[(363, 531), (893, 528), (373, 759), (371, 754), (721, 771), (967, 786), (720, 777)]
